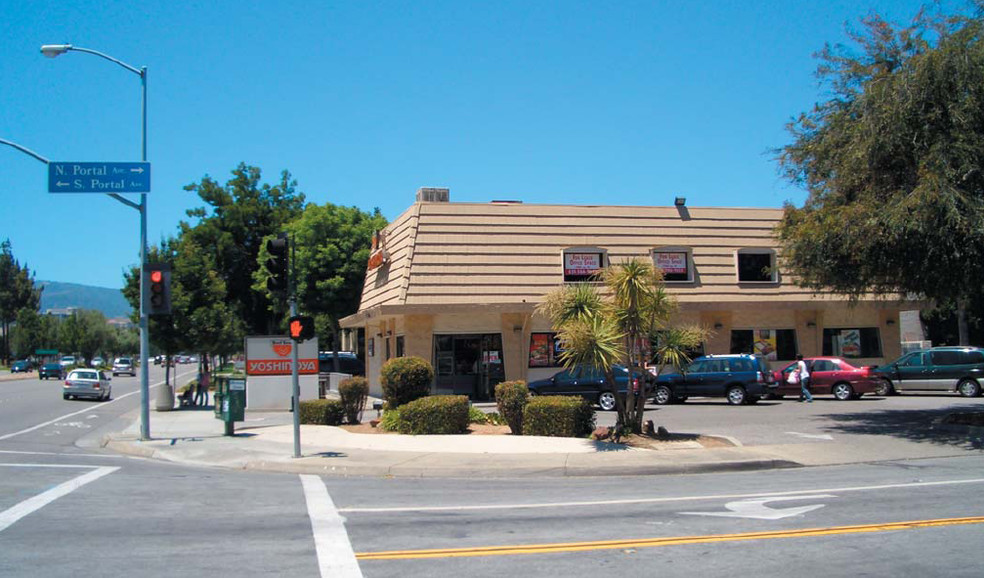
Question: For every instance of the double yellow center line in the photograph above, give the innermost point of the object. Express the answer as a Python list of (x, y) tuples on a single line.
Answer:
[(659, 542)]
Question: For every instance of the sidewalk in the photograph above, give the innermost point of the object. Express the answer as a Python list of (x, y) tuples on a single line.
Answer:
[(265, 442)]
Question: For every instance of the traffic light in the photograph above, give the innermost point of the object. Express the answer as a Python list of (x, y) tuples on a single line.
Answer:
[(157, 276), (301, 327), (276, 265)]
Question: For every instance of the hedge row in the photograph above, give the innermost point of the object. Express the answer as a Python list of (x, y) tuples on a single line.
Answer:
[(322, 412), (436, 414), (558, 416)]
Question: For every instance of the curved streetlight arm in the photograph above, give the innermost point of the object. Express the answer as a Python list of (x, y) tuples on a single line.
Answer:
[(24, 150), (53, 50)]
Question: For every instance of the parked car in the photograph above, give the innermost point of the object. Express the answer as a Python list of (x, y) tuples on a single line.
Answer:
[(22, 366), (741, 378), (959, 369), (589, 383), (87, 383), (67, 361), (829, 375), (123, 365), (347, 362), (51, 370)]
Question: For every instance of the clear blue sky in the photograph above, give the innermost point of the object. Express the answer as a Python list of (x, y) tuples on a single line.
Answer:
[(594, 102)]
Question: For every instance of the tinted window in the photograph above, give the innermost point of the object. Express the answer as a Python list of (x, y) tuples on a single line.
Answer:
[(698, 366), (949, 357), (914, 360), (754, 266), (974, 357), (824, 365)]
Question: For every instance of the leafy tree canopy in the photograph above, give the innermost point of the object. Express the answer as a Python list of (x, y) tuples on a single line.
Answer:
[(892, 161), (17, 291)]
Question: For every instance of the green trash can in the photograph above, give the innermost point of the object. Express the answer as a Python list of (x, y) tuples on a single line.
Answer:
[(230, 401)]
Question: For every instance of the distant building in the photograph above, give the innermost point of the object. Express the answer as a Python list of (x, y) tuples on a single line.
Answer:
[(121, 322), (458, 284), (61, 311)]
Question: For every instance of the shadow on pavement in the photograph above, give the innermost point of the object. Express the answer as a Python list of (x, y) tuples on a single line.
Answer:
[(920, 425)]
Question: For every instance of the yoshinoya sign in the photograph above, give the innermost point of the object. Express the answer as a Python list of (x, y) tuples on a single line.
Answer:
[(273, 355)]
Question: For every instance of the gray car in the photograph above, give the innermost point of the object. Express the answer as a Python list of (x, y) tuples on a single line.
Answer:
[(87, 383), (959, 369)]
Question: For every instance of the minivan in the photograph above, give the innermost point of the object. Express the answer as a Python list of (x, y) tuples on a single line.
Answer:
[(740, 378), (952, 369)]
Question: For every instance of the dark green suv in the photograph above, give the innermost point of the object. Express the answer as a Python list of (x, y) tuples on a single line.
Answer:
[(959, 369), (741, 378)]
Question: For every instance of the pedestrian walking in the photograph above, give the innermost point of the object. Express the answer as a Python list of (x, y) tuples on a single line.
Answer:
[(201, 389), (804, 379)]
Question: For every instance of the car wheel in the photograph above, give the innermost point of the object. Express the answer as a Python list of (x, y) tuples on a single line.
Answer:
[(843, 391), (885, 388), (606, 400), (663, 395), (969, 388), (736, 395)]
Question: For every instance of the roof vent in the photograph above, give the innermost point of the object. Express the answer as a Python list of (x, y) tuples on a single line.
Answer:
[(433, 195)]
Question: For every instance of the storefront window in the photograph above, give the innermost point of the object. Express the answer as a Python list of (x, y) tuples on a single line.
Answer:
[(399, 346), (854, 342), (544, 350), (582, 264), (773, 344)]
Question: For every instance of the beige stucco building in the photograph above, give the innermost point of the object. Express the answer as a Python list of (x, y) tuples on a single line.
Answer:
[(458, 284)]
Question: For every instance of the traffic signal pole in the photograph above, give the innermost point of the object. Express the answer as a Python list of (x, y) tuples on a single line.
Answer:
[(295, 384)]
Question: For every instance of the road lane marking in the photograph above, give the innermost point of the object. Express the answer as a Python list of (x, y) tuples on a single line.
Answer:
[(657, 500), (756, 508), (74, 413), (331, 542), (660, 542), (61, 454), (11, 515)]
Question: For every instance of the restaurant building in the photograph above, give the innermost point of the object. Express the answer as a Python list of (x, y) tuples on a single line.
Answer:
[(458, 284)]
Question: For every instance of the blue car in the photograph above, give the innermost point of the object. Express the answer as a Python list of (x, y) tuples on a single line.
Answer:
[(589, 383), (741, 378), (22, 366)]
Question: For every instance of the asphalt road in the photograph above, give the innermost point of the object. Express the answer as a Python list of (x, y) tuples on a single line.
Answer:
[(67, 508)]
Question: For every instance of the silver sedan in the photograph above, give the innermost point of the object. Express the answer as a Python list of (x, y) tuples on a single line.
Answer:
[(87, 383)]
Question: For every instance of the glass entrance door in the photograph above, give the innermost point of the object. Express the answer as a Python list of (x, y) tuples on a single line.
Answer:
[(469, 365)]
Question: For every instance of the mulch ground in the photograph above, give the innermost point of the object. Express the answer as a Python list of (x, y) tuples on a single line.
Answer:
[(637, 441)]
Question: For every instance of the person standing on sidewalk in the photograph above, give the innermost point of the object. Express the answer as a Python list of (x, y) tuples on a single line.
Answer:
[(201, 389), (804, 379)]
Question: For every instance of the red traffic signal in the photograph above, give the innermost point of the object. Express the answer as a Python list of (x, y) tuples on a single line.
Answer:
[(300, 327), (158, 277)]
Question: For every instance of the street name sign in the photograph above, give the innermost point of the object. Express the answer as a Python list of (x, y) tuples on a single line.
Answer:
[(108, 177)]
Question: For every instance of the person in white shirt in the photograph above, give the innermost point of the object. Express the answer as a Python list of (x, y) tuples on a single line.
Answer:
[(804, 378)]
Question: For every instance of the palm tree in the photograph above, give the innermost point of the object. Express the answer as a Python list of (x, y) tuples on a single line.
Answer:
[(602, 331)]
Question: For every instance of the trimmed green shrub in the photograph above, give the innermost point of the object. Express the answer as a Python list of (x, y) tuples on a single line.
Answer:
[(354, 392), (390, 420), (558, 416), (437, 414), (405, 379), (511, 397), (321, 412)]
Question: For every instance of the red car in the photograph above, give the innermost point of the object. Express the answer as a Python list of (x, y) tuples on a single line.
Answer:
[(830, 375)]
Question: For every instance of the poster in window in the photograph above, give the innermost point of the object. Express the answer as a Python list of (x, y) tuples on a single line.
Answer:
[(674, 263), (851, 343), (765, 343), (540, 344), (576, 264), (558, 348)]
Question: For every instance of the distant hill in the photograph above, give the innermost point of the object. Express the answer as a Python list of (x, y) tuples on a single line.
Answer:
[(57, 295)]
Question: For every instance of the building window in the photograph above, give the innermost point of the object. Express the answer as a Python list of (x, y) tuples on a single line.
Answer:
[(399, 346), (852, 342), (676, 262), (756, 266), (773, 344), (544, 350), (581, 264)]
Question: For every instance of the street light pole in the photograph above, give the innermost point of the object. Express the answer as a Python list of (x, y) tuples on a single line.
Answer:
[(51, 51)]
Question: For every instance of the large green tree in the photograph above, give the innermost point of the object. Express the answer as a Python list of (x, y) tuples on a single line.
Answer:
[(614, 324), (85, 332), (237, 218), (892, 161), (32, 332), (331, 246), (17, 291)]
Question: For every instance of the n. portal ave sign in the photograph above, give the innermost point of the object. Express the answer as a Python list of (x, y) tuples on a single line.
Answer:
[(129, 177)]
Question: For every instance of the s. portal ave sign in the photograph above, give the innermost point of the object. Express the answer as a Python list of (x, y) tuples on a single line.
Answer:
[(70, 177)]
